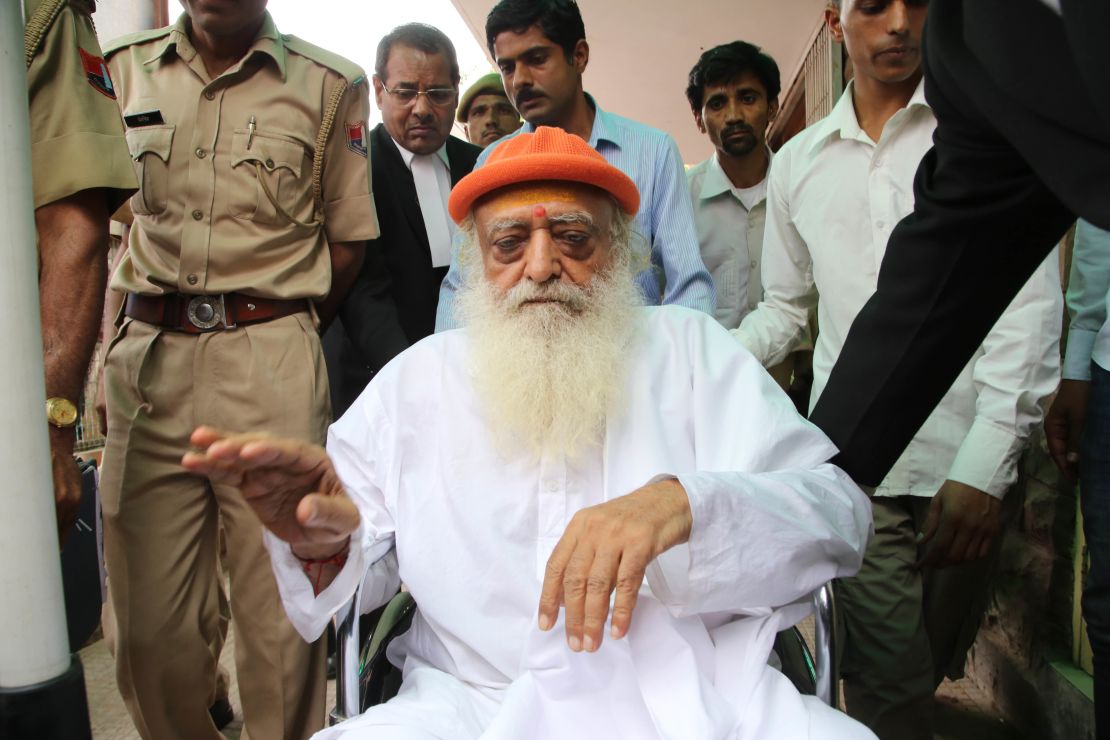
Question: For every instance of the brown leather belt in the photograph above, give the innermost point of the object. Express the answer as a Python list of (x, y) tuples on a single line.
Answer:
[(198, 314)]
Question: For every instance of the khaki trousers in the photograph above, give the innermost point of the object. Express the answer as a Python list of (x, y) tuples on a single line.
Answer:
[(161, 535), (223, 680), (905, 629)]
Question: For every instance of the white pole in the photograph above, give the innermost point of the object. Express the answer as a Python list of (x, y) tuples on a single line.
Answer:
[(34, 647)]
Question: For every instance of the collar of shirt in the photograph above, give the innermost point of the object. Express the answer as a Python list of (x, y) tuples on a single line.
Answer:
[(716, 181), (842, 121), (408, 156), (268, 42), (604, 130)]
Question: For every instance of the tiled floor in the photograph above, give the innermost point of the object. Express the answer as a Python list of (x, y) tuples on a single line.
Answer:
[(963, 712)]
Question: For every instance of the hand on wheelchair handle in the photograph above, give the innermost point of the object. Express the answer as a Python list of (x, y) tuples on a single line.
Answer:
[(290, 484), (609, 547)]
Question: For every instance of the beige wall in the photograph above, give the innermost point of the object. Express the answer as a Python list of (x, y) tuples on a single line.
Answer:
[(642, 50), (119, 17)]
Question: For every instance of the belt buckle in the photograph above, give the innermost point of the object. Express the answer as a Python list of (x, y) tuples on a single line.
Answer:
[(205, 312)]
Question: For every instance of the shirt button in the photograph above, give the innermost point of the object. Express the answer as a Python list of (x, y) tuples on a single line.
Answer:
[(269, 164), (878, 161), (201, 154), (881, 224), (192, 279), (209, 94), (197, 215), (753, 264), (552, 486)]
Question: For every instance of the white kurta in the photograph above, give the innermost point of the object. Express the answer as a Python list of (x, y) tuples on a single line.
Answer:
[(469, 532)]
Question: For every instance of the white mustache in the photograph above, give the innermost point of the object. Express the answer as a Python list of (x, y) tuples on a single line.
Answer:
[(573, 297)]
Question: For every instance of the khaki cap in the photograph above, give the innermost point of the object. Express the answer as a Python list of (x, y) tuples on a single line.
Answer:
[(490, 83)]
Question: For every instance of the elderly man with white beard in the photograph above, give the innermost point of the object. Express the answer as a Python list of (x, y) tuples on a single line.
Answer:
[(604, 512)]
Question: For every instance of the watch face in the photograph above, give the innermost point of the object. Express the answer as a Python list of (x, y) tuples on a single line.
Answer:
[(61, 412)]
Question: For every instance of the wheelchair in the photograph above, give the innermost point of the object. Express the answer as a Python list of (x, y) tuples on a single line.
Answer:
[(365, 678)]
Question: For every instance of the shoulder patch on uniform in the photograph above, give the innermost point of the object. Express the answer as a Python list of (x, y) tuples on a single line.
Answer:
[(345, 67), (96, 72), (356, 137), (131, 39)]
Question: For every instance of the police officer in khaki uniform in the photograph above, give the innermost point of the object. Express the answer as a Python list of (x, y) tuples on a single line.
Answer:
[(253, 210), (81, 173)]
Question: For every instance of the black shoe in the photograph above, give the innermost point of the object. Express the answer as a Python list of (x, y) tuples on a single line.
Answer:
[(221, 713)]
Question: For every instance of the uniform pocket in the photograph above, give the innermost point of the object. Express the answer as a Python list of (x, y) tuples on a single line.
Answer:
[(150, 151), (276, 162)]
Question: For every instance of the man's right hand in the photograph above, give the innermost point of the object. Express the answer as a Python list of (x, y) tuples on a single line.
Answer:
[(291, 485), (1063, 425)]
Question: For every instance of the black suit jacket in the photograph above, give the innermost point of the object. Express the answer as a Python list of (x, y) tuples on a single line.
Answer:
[(393, 302), (1022, 147)]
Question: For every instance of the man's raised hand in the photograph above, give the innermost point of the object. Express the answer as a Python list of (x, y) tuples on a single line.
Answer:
[(291, 485), (607, 547)]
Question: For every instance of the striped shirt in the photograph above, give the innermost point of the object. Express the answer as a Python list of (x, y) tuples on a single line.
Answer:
[(650, 157)]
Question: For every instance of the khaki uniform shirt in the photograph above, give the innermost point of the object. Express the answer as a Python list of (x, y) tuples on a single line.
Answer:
[(203, 221), (76, 133)]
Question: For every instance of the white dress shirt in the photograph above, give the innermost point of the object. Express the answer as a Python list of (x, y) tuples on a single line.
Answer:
[(1088, 303), (431, 173), (833, 198), (729, 221), (469, 531)]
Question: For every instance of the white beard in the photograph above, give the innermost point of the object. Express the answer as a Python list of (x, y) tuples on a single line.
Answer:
[(548, 374)]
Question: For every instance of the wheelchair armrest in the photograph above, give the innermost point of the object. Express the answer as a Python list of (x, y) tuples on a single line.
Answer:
[(379, 680), (395, 618)]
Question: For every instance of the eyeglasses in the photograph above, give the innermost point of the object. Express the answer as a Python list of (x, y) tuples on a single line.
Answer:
[(437, 96)]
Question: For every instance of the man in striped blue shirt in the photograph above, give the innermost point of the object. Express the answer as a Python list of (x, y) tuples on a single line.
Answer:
[(541, 50)]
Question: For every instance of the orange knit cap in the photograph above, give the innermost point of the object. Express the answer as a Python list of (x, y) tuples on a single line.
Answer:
[(548, 154)]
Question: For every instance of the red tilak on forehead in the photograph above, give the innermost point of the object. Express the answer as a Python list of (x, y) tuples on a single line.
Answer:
[(539, 212)]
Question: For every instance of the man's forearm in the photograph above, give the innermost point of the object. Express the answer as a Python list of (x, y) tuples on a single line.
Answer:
[(73, 242), (346, 260)]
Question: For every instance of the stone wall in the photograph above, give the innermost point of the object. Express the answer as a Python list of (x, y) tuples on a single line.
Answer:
[(1028, 626)]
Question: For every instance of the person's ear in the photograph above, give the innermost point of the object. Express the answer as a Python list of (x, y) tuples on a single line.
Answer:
[(581, 56), (379, 90), (832, 20)]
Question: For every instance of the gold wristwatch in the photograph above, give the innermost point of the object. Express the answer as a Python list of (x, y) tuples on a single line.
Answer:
[(61, 412)]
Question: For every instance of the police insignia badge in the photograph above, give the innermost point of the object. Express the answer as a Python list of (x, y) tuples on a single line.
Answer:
[(356, 137), (96, 72)]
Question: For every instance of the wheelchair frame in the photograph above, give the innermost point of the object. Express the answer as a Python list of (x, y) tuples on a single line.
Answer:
[(348, 648)]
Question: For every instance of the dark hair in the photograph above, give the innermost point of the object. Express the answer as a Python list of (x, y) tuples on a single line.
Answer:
[(727, 61), (427, 39), (559, 20)]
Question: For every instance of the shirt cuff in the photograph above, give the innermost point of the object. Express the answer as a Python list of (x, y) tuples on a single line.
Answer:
[(1077, 358), (987, 459), (310, 613)]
